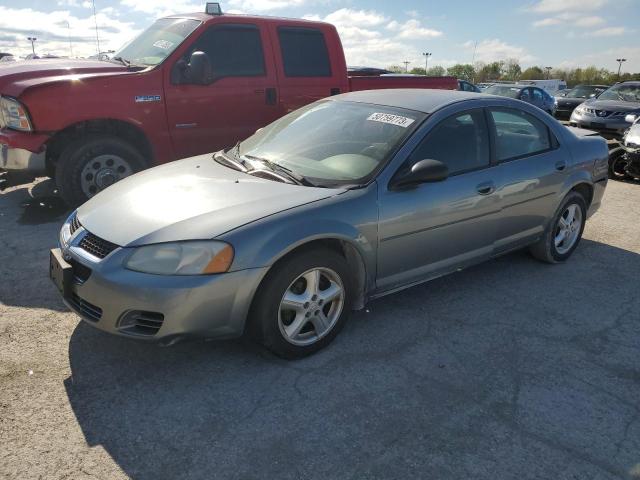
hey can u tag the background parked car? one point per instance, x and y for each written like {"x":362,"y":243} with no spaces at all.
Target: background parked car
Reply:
{"x":606,"y":114}
{"x":467,"y":86}
{"x":533,"y":95}
{"x":550,"y":86}
{"x":567,"y":100}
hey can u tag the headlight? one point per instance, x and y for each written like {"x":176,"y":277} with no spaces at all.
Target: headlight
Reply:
{"x":182,"y":258}
{"x":14,"y":114}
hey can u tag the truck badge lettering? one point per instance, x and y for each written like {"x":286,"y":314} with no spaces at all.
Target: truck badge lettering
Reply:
{"x":147,"y":98}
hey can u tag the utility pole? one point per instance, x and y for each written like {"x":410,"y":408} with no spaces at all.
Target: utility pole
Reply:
{"x":69,"y":36}
{"x":426,"y":61}
{"x":32,"y":40}
{"x":473,"y":59}
{"x":548,"y":69}
{"x":620,"y":60}
{"x":406,"y":66}
{"x":96,"y":22}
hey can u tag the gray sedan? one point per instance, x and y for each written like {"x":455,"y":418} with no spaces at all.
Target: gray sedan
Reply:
{"x":340,"y":202}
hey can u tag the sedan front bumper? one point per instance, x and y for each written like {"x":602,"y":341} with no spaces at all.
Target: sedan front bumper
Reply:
{"x":158,"y":307}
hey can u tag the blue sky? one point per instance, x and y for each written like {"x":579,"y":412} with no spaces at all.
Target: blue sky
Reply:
{"x":559,"y":33}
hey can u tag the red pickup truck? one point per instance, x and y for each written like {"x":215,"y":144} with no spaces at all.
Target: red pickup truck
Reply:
{"x":188,"y":85}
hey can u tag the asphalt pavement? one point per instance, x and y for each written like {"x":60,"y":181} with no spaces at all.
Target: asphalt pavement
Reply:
{"x":511,"y":369}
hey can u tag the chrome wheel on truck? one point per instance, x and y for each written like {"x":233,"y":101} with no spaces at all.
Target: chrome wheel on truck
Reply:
{"x":102,"y":172}
{"x":92,"y":163}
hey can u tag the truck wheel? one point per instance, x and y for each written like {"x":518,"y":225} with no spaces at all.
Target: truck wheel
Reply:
{"x":302,"y":304}
{"x":91,"y":164}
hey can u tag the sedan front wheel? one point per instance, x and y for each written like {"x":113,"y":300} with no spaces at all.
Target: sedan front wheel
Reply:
{"x":303,"y":303}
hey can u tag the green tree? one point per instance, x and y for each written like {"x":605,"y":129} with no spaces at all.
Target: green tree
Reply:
{"x":532,"y":73}
{"x":436,"y":71}
{"x":417,"y":71}
{"x":396,"y":69}
{"x":511,"y":69}
{"x":462,"y":71}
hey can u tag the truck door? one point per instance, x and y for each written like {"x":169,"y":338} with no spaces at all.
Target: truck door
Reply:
{"x":241,"y":96}
{"x":306,"y":70}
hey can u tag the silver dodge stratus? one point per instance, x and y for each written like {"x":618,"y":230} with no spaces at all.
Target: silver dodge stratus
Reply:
{"x":335,"y":204}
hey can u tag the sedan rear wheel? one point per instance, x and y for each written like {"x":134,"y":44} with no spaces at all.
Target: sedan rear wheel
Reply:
{"x":303,"y":303}
{"x":564,"y":231}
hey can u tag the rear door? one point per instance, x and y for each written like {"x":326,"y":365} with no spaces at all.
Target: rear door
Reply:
{"x":241,"y":97}
{"x":309,"y":62}
{"x":532,"y":171}
{"x":538,"y":97}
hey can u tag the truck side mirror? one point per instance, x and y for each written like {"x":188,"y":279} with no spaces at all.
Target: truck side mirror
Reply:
{"x":199,"y":70}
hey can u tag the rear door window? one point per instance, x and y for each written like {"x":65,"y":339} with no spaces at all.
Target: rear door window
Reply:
{"x":304,"y":52}
{"x":518,"y":134}
{"x":234,"y":50}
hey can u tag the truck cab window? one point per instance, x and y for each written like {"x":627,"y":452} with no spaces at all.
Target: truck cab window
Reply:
{"x":233,"y":50}
{"x":304,"y":52}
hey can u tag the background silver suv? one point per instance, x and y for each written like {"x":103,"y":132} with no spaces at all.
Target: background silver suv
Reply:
{"x":606,"y":113}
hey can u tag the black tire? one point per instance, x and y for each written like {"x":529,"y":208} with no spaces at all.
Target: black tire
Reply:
{"x":615,"y":160}
{"x":545,"y":249}
{"x":77,"y":155}
{"x":264,"y":317}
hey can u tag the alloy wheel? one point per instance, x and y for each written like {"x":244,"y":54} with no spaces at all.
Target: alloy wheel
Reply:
{"x":568,"y":228}
{"x":311,"y":306}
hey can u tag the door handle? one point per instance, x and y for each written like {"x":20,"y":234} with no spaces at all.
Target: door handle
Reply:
{"x":271,"y":96}
{"x":486,"y":188}
{"x":561,"y":165}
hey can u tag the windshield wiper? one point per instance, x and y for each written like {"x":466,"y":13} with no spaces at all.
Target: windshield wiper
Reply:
{"x":228,"y":161}
{"x":276,"y":167}
{"x":123,"y":61}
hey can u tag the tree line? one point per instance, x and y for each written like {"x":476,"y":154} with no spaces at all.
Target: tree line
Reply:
{"x":510,"y":70}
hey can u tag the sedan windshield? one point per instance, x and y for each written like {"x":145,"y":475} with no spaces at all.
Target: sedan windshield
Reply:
{"x":157,"y":42}
{"x":503,"y":91}
{"x":625,"y":93}
{"x":584,"y":91}
{"x":332,"y":142}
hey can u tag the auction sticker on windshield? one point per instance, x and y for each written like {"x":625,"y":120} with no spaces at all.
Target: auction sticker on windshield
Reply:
{"x":398,"y":120}
{"x":163,"y":44}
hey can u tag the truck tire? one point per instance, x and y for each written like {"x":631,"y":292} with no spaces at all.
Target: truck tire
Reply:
{"x":91,"y":164}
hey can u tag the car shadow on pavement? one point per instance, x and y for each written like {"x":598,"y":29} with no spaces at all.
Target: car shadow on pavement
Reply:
{"x":30,"y":219}
{"x":512,"y":366}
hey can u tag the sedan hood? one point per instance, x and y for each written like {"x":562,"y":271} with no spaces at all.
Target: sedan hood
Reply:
{"x":191,"y":199}
{"x":612,"y":105}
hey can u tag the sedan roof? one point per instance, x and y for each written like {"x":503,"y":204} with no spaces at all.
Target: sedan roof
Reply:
{"x":418,"y":99}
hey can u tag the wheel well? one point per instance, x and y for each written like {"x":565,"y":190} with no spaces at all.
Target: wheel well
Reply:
{"x":352,"y":256}
{"x":118,"y":128}
{"x":586,"y":191}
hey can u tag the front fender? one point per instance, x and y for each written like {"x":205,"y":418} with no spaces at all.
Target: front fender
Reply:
{"x":351,"y":217}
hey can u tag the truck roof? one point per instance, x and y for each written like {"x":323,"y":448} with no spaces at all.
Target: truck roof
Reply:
{"x":205,"y":17}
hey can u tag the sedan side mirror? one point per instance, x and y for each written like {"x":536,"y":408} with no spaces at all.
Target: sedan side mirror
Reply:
{"x":423,"y":171}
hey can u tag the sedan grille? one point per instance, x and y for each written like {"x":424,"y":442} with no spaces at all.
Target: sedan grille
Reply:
{"x":96,"y":246}
{"x":85,"y":309}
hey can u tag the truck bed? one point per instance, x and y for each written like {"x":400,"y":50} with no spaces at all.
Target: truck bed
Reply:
{"x":376,"y":83}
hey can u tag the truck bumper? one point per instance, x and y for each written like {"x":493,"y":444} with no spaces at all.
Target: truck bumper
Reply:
{"x":22,"y":151}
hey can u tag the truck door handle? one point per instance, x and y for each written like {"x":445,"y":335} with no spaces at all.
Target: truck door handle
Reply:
{"x":271,"y":96}
{"x":561,"y":165}
{"x":486,"y":188}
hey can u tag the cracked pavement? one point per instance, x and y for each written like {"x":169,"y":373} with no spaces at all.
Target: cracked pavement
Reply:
{"x":511,"y":369}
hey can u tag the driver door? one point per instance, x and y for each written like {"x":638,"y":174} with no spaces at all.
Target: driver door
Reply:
{"x":435,"y":228}
{"x":242,"y":96}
